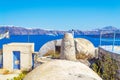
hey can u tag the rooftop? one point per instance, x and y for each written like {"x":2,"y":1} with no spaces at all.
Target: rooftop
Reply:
{"x":19,"y":43}
{"x":114,"y":49}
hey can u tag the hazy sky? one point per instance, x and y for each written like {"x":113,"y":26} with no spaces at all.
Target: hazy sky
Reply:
{"x":60,"y":14}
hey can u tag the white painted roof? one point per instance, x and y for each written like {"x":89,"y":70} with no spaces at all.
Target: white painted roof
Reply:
{"x":115,"y":49}
{"x":18,"y":43}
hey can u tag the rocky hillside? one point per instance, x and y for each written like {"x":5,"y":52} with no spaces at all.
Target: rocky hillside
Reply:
{"x":110,"y":28}
{"x":24,"y":31}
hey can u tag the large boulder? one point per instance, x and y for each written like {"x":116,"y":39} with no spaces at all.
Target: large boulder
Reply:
{"x":84,"y":48}
{"x":49,"y":47}
{"x":62,"y":70}
{"x":68,"y":47}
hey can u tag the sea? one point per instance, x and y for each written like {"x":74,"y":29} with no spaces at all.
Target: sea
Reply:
{"x":40,"y":40}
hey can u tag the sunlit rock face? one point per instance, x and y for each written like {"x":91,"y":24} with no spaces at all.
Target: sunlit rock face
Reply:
{"x":62,"y":70}
{"x":84,"y":49}
{"x":49,"y":46}
{"x":68,"y":47}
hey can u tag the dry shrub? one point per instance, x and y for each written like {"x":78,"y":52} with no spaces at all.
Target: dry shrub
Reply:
{"x":49,"y":53}
{"x":4,"y":71}
{"x":1,"y":51}
{"x":53,"y":54}
{"x":83,"y":56}
{"x":56,"y":55}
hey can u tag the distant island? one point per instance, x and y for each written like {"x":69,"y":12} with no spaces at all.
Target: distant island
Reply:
{"x":26,"y":31}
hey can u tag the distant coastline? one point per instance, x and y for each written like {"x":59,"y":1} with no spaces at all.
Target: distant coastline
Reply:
{"x":25,"y":31}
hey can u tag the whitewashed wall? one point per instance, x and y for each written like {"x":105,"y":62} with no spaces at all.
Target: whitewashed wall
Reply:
{"x":26,"y":50}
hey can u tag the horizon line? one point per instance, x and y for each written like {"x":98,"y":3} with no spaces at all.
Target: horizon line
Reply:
{"x":53,"y":29}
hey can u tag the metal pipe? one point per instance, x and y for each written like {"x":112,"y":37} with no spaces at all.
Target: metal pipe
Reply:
{"x":100,"y":38}
{"x":113,"y":42}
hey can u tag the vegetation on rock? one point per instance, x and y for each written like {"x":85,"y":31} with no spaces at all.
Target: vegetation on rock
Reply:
{"x":20,"y":76}
{"x":106,"y":67}
{"x":83,"y":56}
{"x":53,"y":54}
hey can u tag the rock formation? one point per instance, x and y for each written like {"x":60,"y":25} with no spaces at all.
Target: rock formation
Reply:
{"x":62,"y":70}
{"x":71,"y":49}
{"x":68,"y":47}
{"x":49,"y":46}
{"x":84,"y":49}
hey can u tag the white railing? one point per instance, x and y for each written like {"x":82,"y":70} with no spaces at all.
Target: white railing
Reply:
{"x":114,"y":40}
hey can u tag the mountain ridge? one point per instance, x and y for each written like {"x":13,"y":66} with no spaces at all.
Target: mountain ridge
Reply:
{"x":37,"y":31}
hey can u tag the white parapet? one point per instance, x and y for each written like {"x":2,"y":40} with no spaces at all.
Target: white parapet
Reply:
{"x":110,"y":48}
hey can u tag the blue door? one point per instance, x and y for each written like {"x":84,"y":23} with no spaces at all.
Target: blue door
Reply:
{"x":16,"y":59}
{"x":33,"y":60}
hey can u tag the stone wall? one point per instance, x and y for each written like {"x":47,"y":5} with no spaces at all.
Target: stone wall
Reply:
{"x":113,"y":55}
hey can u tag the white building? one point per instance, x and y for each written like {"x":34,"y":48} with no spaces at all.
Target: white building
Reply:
{"x":18,"y":56}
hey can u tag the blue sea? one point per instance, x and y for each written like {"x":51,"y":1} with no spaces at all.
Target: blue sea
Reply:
{"x":40,"y":40}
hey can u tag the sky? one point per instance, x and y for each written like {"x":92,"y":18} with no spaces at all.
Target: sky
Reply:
{"x":60,"y":14}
